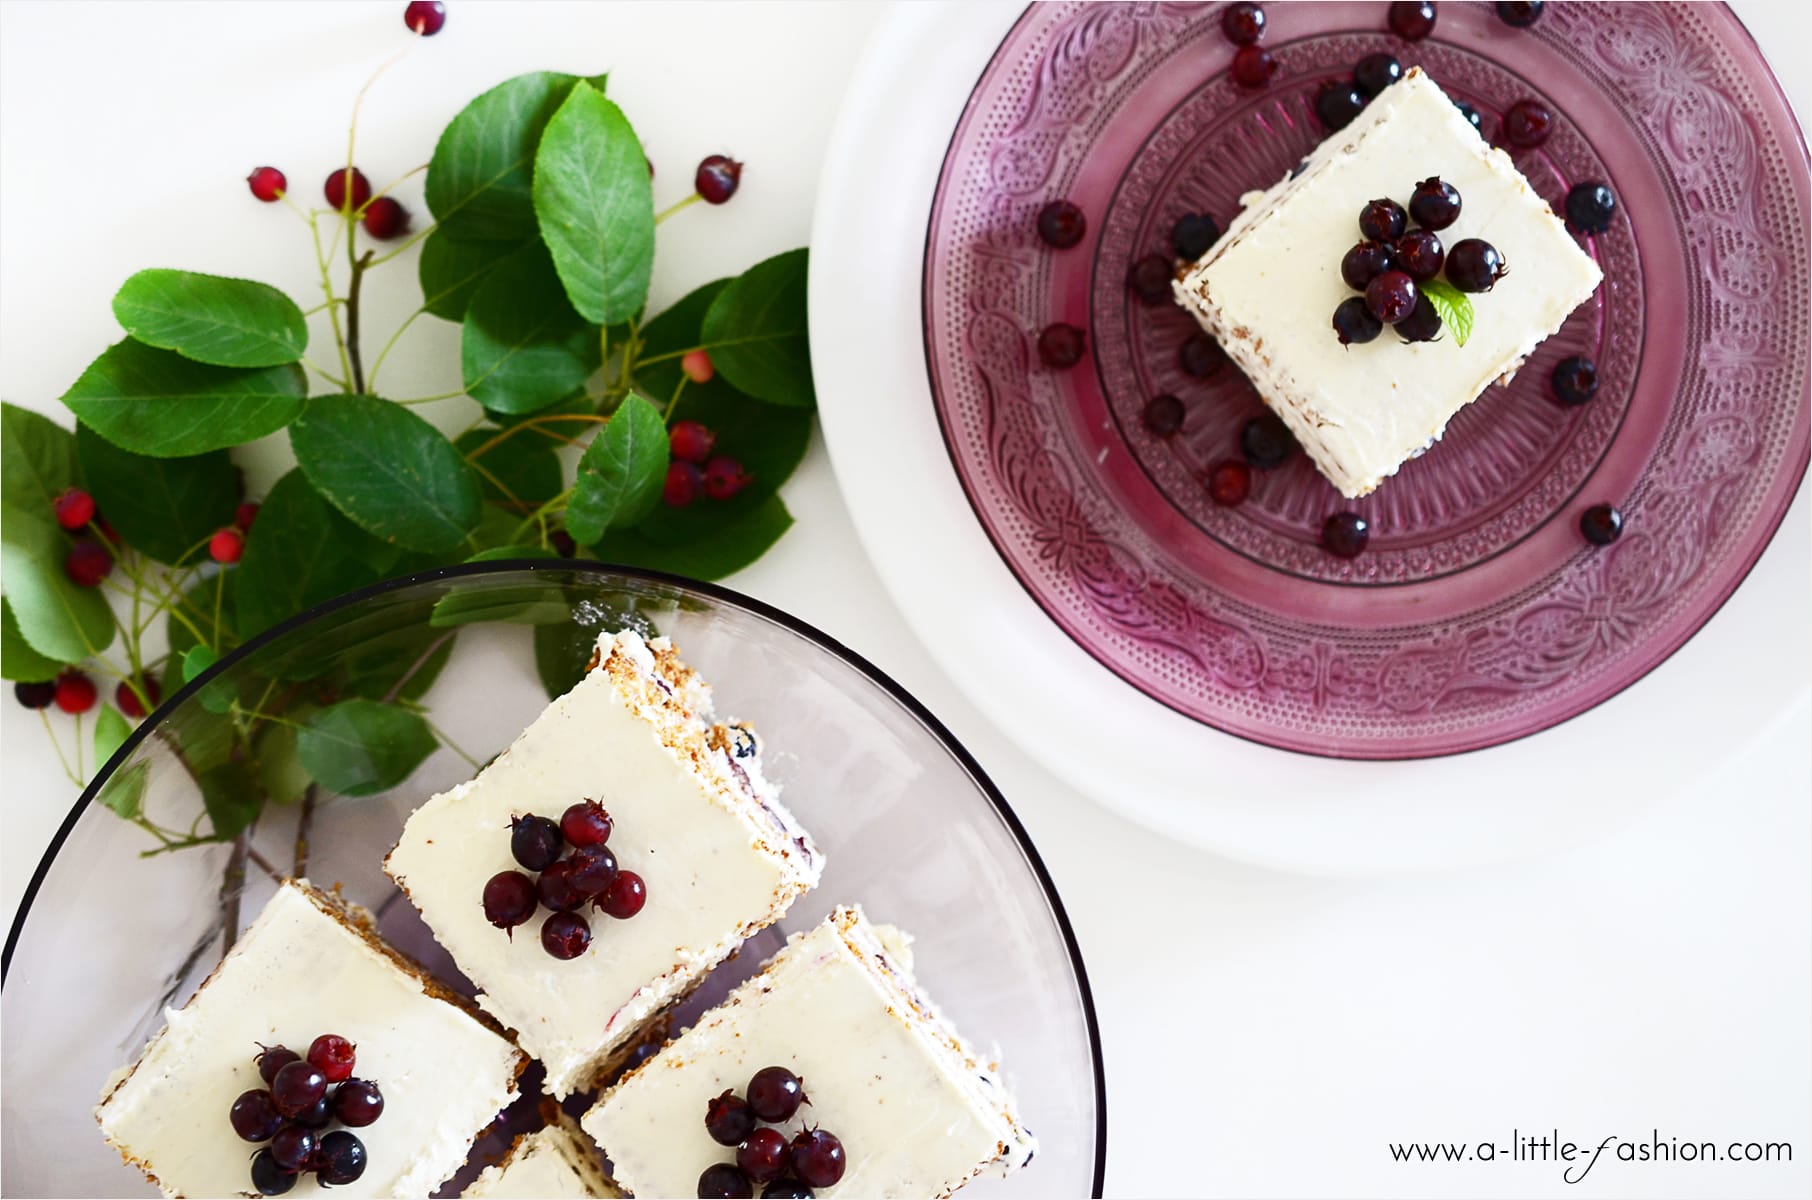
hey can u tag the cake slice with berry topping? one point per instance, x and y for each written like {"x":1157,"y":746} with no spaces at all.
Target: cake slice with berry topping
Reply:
{"x":314,"y":1056}
{"x":555,"y":1162}
{"x":597,"y":869}
{"x":1441,"y":267}
{"x":830,"y":1073}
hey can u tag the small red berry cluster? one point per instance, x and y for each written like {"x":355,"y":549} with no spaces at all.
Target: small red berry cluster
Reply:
{"x":812,"y":1159}
{"x":302,"y":1097}
{"x":694,"y":469}
{"x":347,"y":191}
{"x":1244,"y":26}
{"x":588,"y":875}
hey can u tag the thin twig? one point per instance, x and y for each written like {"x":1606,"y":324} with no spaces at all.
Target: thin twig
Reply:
{"x":352,"y":321}
{"x":264,"y":863}
{"x":231,"y":885}
{"x":304,"y":823}
{"x":396,"y":689}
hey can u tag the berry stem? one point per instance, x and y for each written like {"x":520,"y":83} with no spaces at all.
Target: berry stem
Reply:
{"x":264,"y":864}
{"x":394,"y":338}
{"x":673,"y":401}
{"x":677,"y":206}
{"x":333,"y":310}
{"x":413,"y":238}
{"x":432,"y":399}
{"x":56,"y":745}
{"x":305,"y":820}
{"x":538,"y":517}
{"x":441,"y":735}
{"x":219,"y":597}
{"x":232,"y":882}
{"x":321,"y":307}
{"x":535,"y":423}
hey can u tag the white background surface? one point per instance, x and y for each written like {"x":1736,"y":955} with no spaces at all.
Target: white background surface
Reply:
{"x":1265,"y":1034}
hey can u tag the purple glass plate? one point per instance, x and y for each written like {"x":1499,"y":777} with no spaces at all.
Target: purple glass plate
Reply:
{"x":1478,"y":614}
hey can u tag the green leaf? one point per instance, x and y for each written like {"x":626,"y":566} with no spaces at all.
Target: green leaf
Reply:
{"x":305,"y":552}
{"x":522,"y":469}
{"x":55,"y":617}
{"x":1453,"y":306}
{"x":728,"y":548}
{"x":231,"y":795}
{"x":165,"y":507}
{"x":451,"y":271}
{"x":621,"y":472}
{"x":197,"y":659}
{"x":212,"y":319}
{"x":37,"y":459}
{"x":756,"y":334}
{"x":405,"y":662}
{"x":111,"y":729}
{"x":18,"y":661}
{"x":155,"y":402}
{"x":522,"y":347}
{"x":361,"y":747}
{"x":124,"y":791}
{"x":279,"y":769}
{"x":595,"y":206}
{"x":387,"y":469}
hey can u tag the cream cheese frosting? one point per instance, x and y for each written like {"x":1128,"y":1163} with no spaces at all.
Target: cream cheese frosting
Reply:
{"x":556,"y":1162}
{"x":299,"y":971}
{"x":1268,"y":289}
{"x":918,"y":1111}
{"x":693,"y":815}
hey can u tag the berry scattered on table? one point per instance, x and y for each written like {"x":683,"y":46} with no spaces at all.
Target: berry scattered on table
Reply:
{"x":1193,"y":234}
{"x":1061,"y":345}
{"x":1527,"y":124}
{"x":1590,"y":207}
{"x":717,"y":178}
{"x":1253,"y":66}
{"x":425,"y":17}
{"x":1338,"y":101}
{"x":1575,"y":380}
{"x":1344,"y":534}
{"x":1200,"y":356}
{"x":1163,"y":415}
{"x":1375,"y":72}
{"x":1229,"y":483}
{"x":75,"y":692}
{"x":1150,"y":278}
{"x":1519,"y":14}
{"x":1061,"y":224}
{"x":1354,"y":323}
{"x":1266,"y":441}
{"x":339,"y":196}
{"x":1601,"y":524}
{"x":1412,"y":20}
{"x":267,"y":184}
{"x":1474,"y":265}
{"x":1243,"y":24}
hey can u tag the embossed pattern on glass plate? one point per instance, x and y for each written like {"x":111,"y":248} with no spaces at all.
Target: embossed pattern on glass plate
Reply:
{"x":1478,"y":614}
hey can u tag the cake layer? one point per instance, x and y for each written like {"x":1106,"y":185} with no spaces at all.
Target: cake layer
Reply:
{"x":307,"y":967}
{"x":1268,"y":289}
{"x":693,"y":816}
{"x":918,"y":1111}
{"x":556,"y":1162}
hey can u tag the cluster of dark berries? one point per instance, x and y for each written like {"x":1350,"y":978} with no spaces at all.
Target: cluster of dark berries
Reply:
{"x":694,"y":470}
{"x":348,"y":192}
{"x":588,"y":875}
{"x":1391,"y":262}
{"x":1190,"y":237}
{"x":303,"y":1096}
{"x":812,"y":1159}
{"x":1244,"y":26}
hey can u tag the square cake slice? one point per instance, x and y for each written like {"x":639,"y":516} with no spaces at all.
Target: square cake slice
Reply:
{"x":918,"y":1111}
{"x":556,"y":1162}
{"x":309,"y":965}
{"x":1268,"y":288}
{"x":691,"y":814}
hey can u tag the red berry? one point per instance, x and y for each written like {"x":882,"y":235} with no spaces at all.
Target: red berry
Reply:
{"x":818,"y":1158}
{"x":697,"y":366}
{"x":1412,"y":20}
{"x":1150,"y":277}
{"x":1230,"y":482}
{"x":717,"y":179}
{"x":684,"y":481}
{"x":333,"y":1056}
{"x":335,"y":188}
{"x":1527,"y":124}
{"x":244,"y":515}
{"x":1163,"y":415}
{"x":585,"y":824}
{"x":425,"y":16}
{"x":1061,"y":345}
{"x":1345,"y":534}
{"x":762,"y":1155}
{"x":565,"y":935}
{"x":267,"y":183}
{"x":87,"y":563}
{"x":226,"y":546}
{"x":35,"y":695}
{"x":509,"y":899}
{"x":128,"y":700}
{"x":1243,"y":23}
{"x":74,"y":508}
{"x":690,"y":441}
{"x":1061,"y":224}
{"x":724,"y":477}
{"x":385,"y":218}
{"x":1253,"y":66}
{"x":75,"y":692}
{"x":625,"y":896}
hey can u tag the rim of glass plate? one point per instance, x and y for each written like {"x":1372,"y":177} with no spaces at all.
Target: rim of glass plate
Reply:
{"x":713,"y":591}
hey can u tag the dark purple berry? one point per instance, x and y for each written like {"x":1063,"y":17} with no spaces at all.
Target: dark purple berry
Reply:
{"x":1471,"y":114}
{"x":1266,"y":441}
{"x":775,"y":1094}
{"x":1253,"y":66}
{"x":762,"y":1155}
{"x":1163,"y":415}
{"x":1435,"y":204}
{"x":557,"y":889}
{"x":271,"y":1059}
{"x":1354,"y":323}
{"x":1590,"y":207}
{"x":722,"y":1181}
{"x":534,"y":841}
{"x":269,"y":1178}
{"x":1376,"y":72}
{"x":1412,"y":20}
{"x":341,"y":1159}
{"x":1149,"y":279}
{"x":358,"y":1103}
{"x":292,"y":1146}
{"x":818,"y":1158}
{"x":425,"y":17}
{"x":509,"y":899}
{"x":1061,"y":346}
{"x":1391,"y":297}
{"x":254,"y":1115}
{"x":729,"y":1119}
{"x":386,"y":218}
{"x":1061,"y":224}
{"x":1364,"y":263}
{"x":1519,"y":14}
{"x":624,"y":897}
{"x":1474,"y":265}
{"x":1382,"y":221}
{"x":1345,"y":534}
{"x":297,"y":1086}
{"x":585,"y":824}
{"x":717,"y":178}
{"x":592,"y":868}
{"x":1193,"y":233}
{"x":1526,"y":124}
{"x":1243,"y":24}
{"x":1338,"y":101}
{"x":1575,"y":380}
{"x":1602,"y":524}
{"x":725,"y":477}
{"x":565,"y":935}
{"x":317,"y":1115}
{"x":35,"y":695}
{"x":683,"y":484}
{"x":1419,"y":254}
{"x":562,"y":543}
{"x":333,"y":1056}
{"x":1200,"y":356}
{"x":786,"y":1189}
{"x":1423,"y":324}
{"x":1229,"y":483}
{"x":87,"y":563}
